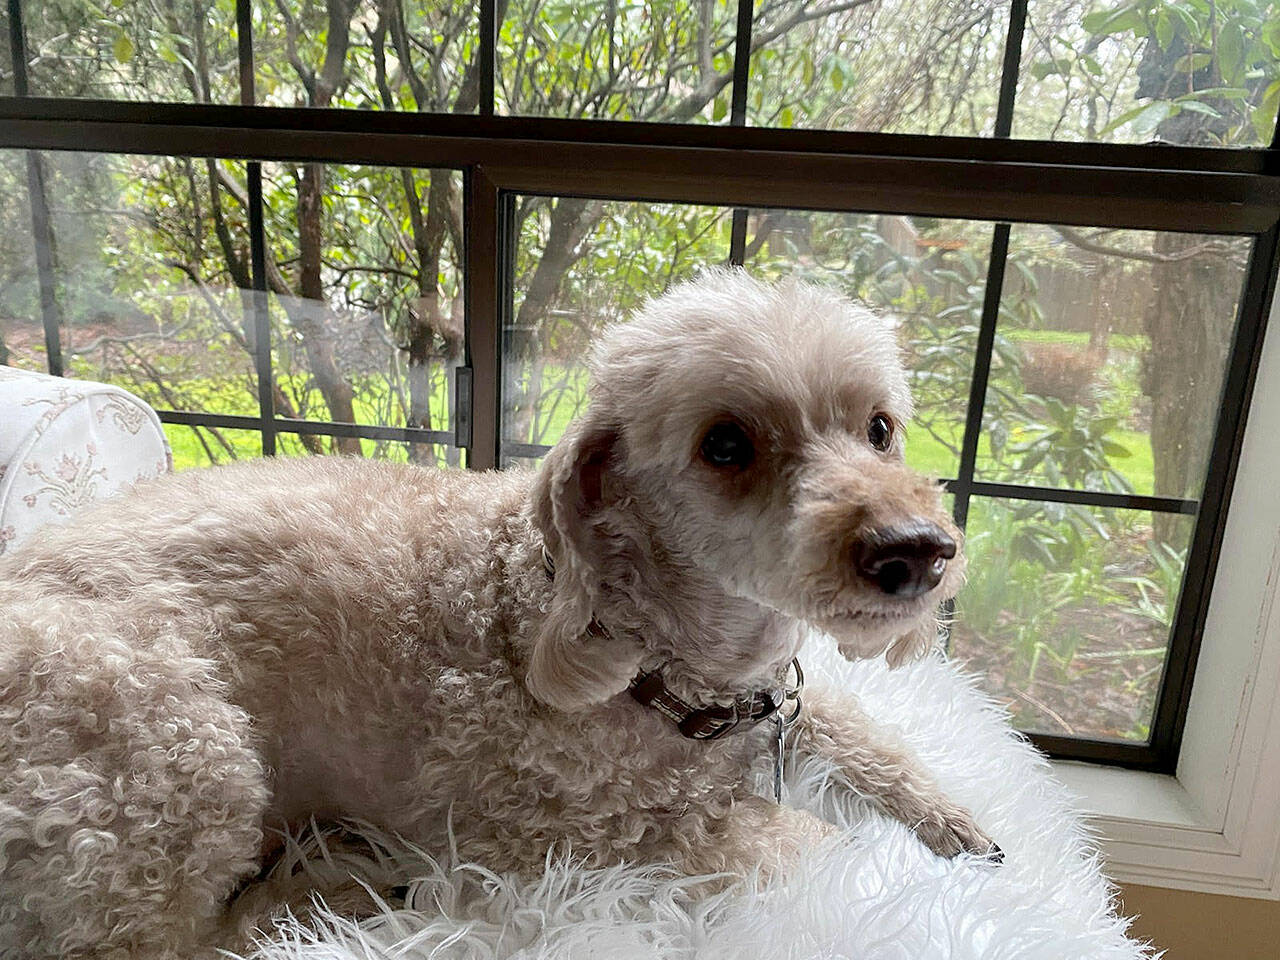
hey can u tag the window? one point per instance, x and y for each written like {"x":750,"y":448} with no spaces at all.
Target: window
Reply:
{"x":391,"y":229}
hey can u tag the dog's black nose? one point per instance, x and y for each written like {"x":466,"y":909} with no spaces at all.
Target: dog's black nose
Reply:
{"x":907,"y":560}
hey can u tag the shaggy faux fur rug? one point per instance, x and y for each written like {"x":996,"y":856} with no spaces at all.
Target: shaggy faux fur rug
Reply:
{"x":876,"y":895}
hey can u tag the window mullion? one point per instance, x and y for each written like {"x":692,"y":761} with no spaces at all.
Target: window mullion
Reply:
{"x":18,"y":49}
{"x":261,"y":314}
{"x":741,"y":63}
{"x":1009,"y":70}
{"x":963,"y":485}
{"x":738,"y":116}
{"x":487,"y":263}
{"x":257,"y":242}
{"x":488,"y":55}
{"x":738,"y":237}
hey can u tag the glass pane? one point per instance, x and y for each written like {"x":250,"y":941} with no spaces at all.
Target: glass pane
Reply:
{"x":660,"y":60}
{"x":1066,"y":612}
{"x":151,"y":267}
{"x":1132,"y":71}
{"x":1111,"y":349}
{"x":133,"y":50}
{"x":21,"y":329}
{"x":368,"y":54}
{"x":367,"y":306}
{"x":930,"y":274}
{"x":208,"y":446}
{"x":580,"y":265}
{"x":895,"y":66}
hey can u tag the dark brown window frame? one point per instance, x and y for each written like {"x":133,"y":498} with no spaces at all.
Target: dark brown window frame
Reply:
{"x":997,"y":179}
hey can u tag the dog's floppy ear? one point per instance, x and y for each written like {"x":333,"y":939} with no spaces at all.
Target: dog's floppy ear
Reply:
{"x":571,"y":667}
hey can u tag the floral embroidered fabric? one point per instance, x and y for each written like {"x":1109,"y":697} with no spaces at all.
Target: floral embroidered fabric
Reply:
{"x":66,"y":443}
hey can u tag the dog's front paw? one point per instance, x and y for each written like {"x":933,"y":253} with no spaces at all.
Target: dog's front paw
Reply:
{"x":949,"y":830}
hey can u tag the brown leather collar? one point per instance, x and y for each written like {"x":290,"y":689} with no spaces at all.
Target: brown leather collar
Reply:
{"x":702,"y":723}
{"x":715,"y":721}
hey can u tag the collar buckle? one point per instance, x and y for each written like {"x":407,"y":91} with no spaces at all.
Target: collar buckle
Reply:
{"x":710,"y":723}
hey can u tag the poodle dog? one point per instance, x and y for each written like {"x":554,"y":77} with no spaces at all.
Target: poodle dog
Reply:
{"x":503,"y":661}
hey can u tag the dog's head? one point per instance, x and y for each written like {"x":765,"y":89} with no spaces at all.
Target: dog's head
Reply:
{"x":752,"y":435}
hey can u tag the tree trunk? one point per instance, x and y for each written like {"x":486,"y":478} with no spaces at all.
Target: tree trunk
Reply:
{"x":1190,"y":320}
{"x":572,"y":220}
{"x":308,"y":314}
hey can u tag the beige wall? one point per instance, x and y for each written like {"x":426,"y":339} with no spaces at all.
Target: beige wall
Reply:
{"x":1201,"y":926}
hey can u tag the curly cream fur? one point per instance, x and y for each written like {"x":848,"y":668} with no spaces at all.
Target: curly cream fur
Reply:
{"x":228,"y":651}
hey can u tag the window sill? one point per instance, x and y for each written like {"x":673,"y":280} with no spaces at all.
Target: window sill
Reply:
{"x":1151,"y":832}
{"x":1111,"y":795}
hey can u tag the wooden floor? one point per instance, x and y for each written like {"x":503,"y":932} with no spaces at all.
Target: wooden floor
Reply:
{"x":1199,"y":926}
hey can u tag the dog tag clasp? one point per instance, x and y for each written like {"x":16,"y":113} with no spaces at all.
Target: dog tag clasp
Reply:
{"x":781,"y":740}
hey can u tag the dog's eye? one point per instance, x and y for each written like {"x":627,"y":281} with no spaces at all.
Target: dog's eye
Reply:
{"x":727,"y":445}
{"x":880,"y":431}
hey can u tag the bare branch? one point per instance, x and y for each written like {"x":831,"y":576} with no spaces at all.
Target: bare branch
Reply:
{"x":1212,"y":247}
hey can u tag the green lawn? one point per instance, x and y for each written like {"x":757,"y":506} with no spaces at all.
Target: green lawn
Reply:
{"x":1131,"y":343}
{"x":231,"y":397}
{"x":930,"y":455}
{"x":924,"y":452}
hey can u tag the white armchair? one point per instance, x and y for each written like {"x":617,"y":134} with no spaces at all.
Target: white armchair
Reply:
{"x":67,"y":443}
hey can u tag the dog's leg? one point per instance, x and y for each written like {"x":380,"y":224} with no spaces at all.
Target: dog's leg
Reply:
{"x":323,"y":872}
{"x":131,"y":796}
{"x":255,"y":913}
{"x":836,"y":729}
{"x":757,"y":834}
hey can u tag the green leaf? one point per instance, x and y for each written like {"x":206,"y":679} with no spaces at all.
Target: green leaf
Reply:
{"x":1231,"y":53}
{"x":1264,"y":115}
{"x":1164,"y":29}
{"x":1045,"y":68}
{"x":1192,"y":62}
{"x":786,"y":118}
{"x":122,"y":48}
{"x":1225,"y":93}
{"x":1144,"y":118}
{"x":1195,"y":106}
{"x":1032,"y":548}
{"x":1123,"y":19}
{"x":1271,"y":37}
{"x":719,"y":109}
{"x":1113,"y":449}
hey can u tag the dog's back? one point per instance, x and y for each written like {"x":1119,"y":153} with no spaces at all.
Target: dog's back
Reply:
{"x":155,"y":657}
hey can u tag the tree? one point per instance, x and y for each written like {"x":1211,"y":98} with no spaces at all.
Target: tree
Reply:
{"x":364,"y":263}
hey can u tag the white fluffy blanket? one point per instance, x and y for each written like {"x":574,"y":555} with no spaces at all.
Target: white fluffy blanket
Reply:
{"x":876,"y":895}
